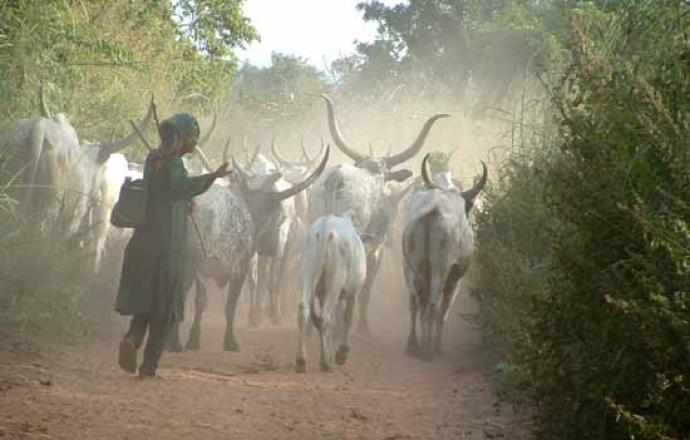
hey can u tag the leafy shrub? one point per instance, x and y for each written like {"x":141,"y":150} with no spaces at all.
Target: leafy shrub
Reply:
{"x":585,"y":247}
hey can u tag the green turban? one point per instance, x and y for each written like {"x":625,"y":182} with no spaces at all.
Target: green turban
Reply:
{"x":177,"y":126}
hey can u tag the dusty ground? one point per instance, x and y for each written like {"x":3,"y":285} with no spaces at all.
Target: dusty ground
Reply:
{"x":79,"y":393}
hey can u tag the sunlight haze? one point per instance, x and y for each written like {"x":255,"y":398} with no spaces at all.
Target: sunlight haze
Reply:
{"x":289,"y":27}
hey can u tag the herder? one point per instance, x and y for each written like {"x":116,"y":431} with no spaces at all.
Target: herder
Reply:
{"x":153,"y":267}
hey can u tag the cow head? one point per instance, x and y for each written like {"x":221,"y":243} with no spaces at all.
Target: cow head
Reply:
{"x":468,"y":196}
{"x":379,"y":165}
{"x":264,"y":199}
{"x":295,"y":170}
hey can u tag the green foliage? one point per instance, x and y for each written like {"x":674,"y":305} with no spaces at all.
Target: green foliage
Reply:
{"x":43,"y":287}
{"x":458,"y":47}
{"x":280,"y":92}
{"x":215,"y":26}
{"x":101,"y":60}
{"x":585,"y":245}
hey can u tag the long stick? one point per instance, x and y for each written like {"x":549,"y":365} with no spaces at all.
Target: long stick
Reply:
{"x":198,"y":232}
{"x":141,"y":136}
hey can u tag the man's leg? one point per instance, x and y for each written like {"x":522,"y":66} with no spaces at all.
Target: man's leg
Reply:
{"x":158,"y":330}
{"x":127,"y":354}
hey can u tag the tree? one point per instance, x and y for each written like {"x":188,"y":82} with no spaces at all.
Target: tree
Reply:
{"x":100,"y":60}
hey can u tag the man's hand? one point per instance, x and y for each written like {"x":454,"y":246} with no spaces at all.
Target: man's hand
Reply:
{"x":191,"y":207}
{"x":222,"y":170}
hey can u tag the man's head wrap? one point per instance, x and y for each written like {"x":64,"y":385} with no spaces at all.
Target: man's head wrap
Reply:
{"x":174,"y":128}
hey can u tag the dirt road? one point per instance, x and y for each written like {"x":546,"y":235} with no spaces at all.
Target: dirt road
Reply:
{"x":79,"y":393}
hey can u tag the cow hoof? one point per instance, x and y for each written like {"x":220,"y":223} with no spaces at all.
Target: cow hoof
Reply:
{"x":301,"y":366}
{"x":193,"y":344}
{"x":231,"y":346}
{"x":326,"y":368}
{"x":341,"y":354}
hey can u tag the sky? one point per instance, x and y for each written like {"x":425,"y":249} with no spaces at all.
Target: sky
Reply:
{"x":318,"y":30}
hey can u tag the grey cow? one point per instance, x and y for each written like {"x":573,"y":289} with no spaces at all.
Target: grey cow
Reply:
{"x":234,"y":220}
{"x":437,"y":245}
{"x":359,"y":191}
{"x":63,"y":184}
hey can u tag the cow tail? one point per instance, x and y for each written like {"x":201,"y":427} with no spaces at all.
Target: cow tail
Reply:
{"x":36,"y":140}
{"x":326,"y":247}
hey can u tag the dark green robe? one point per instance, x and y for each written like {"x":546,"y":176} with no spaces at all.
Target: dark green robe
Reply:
{"x":155,"y":258}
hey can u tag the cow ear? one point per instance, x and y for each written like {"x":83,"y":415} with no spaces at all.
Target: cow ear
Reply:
{"x":399,"y":175}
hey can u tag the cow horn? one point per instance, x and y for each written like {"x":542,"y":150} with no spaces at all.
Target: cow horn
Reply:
{"x":471,"y":193}
{"x":282,"y":195}
{"x":425,"y":173}
{"x":417,"y":144}
{"x":204,"y":139}
{"x":309,"y":161}
{"x":335,"y":132}
{"x":226,"y":149}
{"x":274,"y":150}
{"x":204,"y":159}
{"x":45,"y":111}
{"x":254,"y":156}
{"x":244,"y":175}
{"x":113,"y":146}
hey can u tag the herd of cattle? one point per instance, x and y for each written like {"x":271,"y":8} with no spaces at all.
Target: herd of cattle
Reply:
{"x":270,"y":221}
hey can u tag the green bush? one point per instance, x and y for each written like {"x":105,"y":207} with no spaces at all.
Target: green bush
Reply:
{"x":585,"y":245}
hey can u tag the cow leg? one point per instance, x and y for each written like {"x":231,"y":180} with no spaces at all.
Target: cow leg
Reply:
{"x":277,"y":285}
{"x":344,"y":349}
{"x":254,"y":294}
{"x":234,"y":290}
{"x":303,"y":325}
{"x":200,"y":302}
{"x":327,"y":315}
{"x":413,"y":349}
{"x":373,"y":263}
{"x":173,"y":343}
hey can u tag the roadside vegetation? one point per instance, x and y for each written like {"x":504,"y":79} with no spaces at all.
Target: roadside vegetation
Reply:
{"x":581,"y":109}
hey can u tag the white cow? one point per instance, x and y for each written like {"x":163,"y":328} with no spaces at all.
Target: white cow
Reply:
{"x":66,"y":186}
{"x":332,"y":271}
{"x":437,"y":244}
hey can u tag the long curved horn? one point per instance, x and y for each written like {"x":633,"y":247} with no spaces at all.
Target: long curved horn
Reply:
{"x":335,"y":132}
{"x":244,"y":175}
{"x":425,"y":173}
{"x":417,"y":144}
{"x":309,"y":161}
{"x":274,"y":150}
{"x":45,"y":111}
{"x":113,"y":146}
{"x":245,"y":152}
{"x":225,"y":150}
{"x":473,"y":192}
{"x":282,"y":195}
{"x":204,"y":159}
{"x":255,"y":155}
{"x":204,"y":139}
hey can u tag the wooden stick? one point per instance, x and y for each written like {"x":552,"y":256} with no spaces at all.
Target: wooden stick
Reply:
{"x":198,"y":232}
{"x":141,"y":136}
